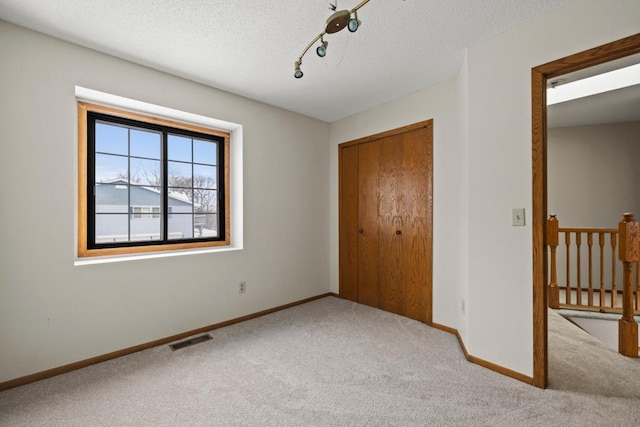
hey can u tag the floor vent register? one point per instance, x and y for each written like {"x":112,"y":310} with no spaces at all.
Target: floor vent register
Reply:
{"x":190,"y":342}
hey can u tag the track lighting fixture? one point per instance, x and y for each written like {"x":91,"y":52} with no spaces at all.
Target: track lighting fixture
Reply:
{"x":336,"y":22}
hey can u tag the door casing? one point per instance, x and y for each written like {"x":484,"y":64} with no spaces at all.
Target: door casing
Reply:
{"x":539,"y":76}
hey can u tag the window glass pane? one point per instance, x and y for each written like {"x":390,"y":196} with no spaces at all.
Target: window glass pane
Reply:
{"x":111,"y":198}
{"x":205,"y":201}
{"x":204,"y":176}
{"x":144,"y":196}
{"x":205,"y":225}
{"x":180,"y":226}
{"x":145,"y":144}
{"x":179,"y":148}
{"x":204,"y":152}
{"x":112,"y":139}
{"x":181,"y":200}
{"x":145,"y":228}
{"x":112,"y":228}
{"x":110,"y":168}
{"x":146,"y":172}
{"x":180,"y":175}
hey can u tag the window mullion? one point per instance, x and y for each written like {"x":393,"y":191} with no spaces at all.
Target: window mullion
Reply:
{"x":165,"y":186}
{"x":129,"y":218}
{"x":91,"y":184}
{"x":193,"y":195}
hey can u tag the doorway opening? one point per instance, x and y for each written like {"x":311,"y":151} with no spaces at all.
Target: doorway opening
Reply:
{"x":540,"y":76}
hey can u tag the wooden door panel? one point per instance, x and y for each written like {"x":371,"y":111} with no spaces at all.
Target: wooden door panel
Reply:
{"x":417,"y":299}
{"x":417,"y":232}
{"x":348,"y":246}
{"x":391,"y":222}
{"x":368,"y":233}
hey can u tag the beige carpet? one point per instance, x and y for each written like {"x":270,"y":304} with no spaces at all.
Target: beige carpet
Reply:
{"x":329,"y":363}
{"x":581,"y":363}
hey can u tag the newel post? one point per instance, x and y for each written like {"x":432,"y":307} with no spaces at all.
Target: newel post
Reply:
{"x":628,"y":254}
{"x":552,"y":241}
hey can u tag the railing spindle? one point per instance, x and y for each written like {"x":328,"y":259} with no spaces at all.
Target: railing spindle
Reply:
{"x":567,"y":242}
{"x":589,"y":245}
{"x":614,"y":291}
{"x":552,"y":241}
{"x":578,"y":268}
{"x":628,"y":254}
{"x":603,"y":293}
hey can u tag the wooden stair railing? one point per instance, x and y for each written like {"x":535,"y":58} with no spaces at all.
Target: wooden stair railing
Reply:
{"x":629,"y":250}
{"x":608,"y":286}
{"x":596,"y":241}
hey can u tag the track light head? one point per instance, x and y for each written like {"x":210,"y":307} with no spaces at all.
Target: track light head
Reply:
{"x":298,"y":72}
{"x":322,"y":49}
{"x":354,"y":23}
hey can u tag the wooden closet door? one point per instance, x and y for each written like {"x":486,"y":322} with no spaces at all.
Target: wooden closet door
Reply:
{"x":348,"y":224}
{"x":405,"y":232}
{"x":391,"y":269}
{"x":386,"y":234}
{"x":368,"y":233}
{"x":415,"y":210}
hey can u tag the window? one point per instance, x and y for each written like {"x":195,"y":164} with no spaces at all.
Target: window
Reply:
{"x":146,"y":212}
{"x":149,"y":184}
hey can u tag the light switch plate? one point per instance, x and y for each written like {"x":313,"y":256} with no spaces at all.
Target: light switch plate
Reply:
{"x":517,"y":217}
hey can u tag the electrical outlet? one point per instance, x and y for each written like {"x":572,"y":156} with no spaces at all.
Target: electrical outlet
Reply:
{"x":242,"y":288}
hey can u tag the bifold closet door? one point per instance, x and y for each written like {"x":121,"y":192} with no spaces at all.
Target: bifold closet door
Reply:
{"x":405,"y":281}
{"x":369,"y":261}
{"x":348,"y":223}
{"x":385,"y":222}
{"x":359,"y":222}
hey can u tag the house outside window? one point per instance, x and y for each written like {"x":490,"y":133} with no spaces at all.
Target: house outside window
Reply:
{"x":148,"y":184}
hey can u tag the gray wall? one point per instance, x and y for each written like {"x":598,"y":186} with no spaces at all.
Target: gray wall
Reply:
{"x":593,"y":173}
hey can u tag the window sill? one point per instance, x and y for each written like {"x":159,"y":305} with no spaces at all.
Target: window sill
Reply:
{"x":166,"y":254}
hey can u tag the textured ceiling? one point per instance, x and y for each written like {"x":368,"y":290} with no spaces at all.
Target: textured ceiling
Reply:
{"x":249,"y":47}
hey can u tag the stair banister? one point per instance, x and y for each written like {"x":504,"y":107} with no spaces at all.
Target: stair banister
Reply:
{"x":552,"y":241}
{"x":629,"y":248}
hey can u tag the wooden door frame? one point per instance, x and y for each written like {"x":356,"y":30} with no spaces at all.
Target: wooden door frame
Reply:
{"x":375,"y":137}
{"x":539,"y":76}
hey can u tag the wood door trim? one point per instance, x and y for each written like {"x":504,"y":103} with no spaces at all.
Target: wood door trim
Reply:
{"x":539,"y":76}
{"x":398,"y":131}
